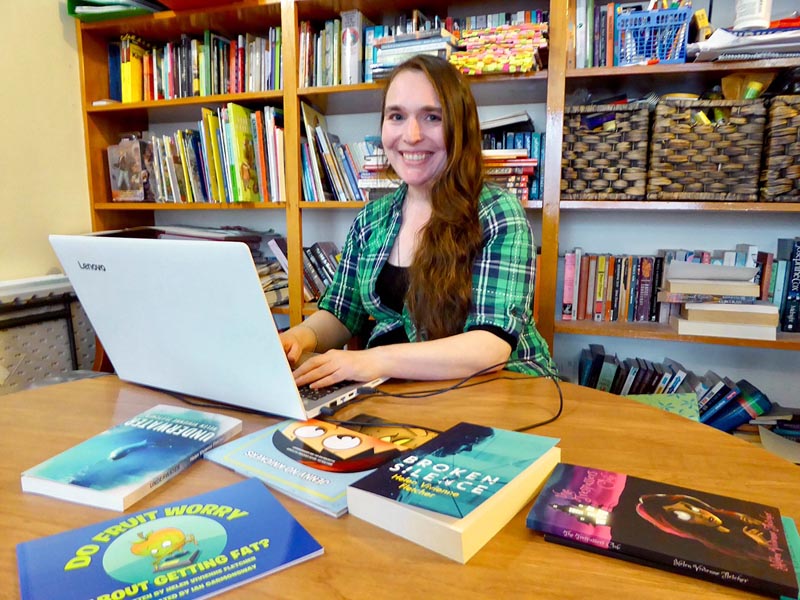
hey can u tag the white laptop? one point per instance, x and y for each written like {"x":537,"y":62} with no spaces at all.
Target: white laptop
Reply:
{"x":188,"y":317}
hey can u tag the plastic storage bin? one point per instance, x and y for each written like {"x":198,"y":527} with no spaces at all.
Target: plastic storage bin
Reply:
{"x":644,"y":36}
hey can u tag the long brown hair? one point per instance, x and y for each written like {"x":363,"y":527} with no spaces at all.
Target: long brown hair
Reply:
{"x":440,"y":277}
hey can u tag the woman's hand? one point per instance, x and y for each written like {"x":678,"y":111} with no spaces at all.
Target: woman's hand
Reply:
{"x":296,"y":341}
{"x":337,"y":365}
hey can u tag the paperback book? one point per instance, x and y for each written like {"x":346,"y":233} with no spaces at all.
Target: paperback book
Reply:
{"x":192,"y":548}
{"x":121,"y":465}
{"x":311,"y":461}
{"x":455,"y":492}
{"x":733,"y":542}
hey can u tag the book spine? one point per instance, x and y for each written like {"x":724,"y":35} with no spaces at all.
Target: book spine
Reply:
{"x":600,"y":288}
{"x":790,"y":313}
{"x":567,"y":307}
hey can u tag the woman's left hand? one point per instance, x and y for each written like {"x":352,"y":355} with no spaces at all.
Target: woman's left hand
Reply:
{"x":337,"y":365}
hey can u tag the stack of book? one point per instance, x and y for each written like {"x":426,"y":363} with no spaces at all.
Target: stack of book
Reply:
{"x":374,"y":172}
{"x":746,"y":317}
{"x":395,"y":49}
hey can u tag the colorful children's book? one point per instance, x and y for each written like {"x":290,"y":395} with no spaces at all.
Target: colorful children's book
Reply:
{"x":121,"y":465}
{"x":311,"y":461}
{"x":734,"y":542}
{"x":455,"y":492}
{"x":192,"y":548}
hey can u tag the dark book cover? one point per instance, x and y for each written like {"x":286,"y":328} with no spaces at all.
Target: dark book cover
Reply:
{"x":644,"y":288}
{"x":790,"y":305}
{"x":731,"y":541}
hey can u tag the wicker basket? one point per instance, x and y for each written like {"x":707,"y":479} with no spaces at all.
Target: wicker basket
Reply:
{"x":713,"y":162}
{"x":780,"y":177}
{"x":604,"y":163}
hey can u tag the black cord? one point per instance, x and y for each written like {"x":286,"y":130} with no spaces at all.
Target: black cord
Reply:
{"x":368,"y":392}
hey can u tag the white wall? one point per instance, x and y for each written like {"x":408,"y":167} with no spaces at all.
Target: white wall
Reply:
{"x":43,"y":182}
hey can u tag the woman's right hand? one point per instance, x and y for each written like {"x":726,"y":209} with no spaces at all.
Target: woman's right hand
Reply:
{"x":296,"y":341}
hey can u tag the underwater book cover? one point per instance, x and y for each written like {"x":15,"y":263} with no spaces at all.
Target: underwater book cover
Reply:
{"x":118,"y":466}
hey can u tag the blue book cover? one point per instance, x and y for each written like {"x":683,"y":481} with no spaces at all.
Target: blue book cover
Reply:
{"x":312,"y":461}
{"x":454,"y":493}
{"x":458,"y":470}
{"x":192,"y":548}
{"x":719,"y":538}
{"x":119,"y":466}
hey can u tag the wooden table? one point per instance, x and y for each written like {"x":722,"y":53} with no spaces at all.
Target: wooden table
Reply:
{"x":362,"y":561}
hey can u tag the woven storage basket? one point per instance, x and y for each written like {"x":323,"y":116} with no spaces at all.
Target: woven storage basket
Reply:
{"x":716,"y":162}
{"x":599,"y":164}
{"x":780,"y":177}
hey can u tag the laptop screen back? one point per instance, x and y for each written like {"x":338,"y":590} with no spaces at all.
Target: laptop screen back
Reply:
{"x":184,"y":316}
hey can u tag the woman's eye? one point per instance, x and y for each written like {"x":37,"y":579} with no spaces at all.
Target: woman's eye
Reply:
{"x":394,"y":117}
{"x":433,"y":117}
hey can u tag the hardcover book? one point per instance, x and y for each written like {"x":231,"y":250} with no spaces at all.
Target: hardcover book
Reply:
{"x":455,"y":492}
{"x":192,"y":548}
{"x":718,"y":538}
{"x":311,"y":461}
{"x":121,"y":465}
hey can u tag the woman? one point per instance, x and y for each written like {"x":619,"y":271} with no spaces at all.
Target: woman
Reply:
{"x":445,"y":262}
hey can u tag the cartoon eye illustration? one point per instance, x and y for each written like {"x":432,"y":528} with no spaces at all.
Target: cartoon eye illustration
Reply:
{"x":309,"y":431}
{"x":341,"y":442}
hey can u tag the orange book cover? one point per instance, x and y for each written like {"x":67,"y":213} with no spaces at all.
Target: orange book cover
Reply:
{"x":261,"y":154}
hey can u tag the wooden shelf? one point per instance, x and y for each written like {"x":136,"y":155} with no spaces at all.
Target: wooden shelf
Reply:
{"x":752,"y":207}
{"x":190,"y":206}
{"x":660,"y":331}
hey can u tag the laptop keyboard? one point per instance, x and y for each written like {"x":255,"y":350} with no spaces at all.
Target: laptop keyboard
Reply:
{"x":312,"y":395}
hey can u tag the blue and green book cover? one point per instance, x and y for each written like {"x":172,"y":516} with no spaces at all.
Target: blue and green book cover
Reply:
{"x":192,"y":548}
{"x":121,"y":465}
{"x":455,"y":492}
{"x":458,"y":470}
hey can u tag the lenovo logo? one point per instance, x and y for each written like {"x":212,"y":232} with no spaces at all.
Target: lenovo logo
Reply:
{"x":91,"y":266}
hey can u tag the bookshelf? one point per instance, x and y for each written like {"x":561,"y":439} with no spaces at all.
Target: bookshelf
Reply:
{"x":103,"y":125}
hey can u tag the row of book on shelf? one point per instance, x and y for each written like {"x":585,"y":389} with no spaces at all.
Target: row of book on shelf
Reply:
{"x":740,"y":293}
{"x":235,"y":154}
{"x":606,"y":34}
{"x":712,"y":399}
{"x":140,"y":70}
{"x":450,"y":492}
{"x":512,"y":154}
{"x":351,"y":49}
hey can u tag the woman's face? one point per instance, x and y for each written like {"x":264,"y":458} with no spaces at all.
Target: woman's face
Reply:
{"x":413,"y":133}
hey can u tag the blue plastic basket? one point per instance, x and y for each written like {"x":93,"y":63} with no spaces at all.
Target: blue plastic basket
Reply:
{"x":644,"y":36}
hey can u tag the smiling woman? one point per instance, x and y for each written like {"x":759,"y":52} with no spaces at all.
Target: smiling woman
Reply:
{"x":439,"y":274}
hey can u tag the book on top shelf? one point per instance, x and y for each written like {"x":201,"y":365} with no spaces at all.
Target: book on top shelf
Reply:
{"x":455,"y":492}
{"x":121,"y":465}
{"x":311,"y":461}
{"x":718,"y":538}
{"x":219,"y":540}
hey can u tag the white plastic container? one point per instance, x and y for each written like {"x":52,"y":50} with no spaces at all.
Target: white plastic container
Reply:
{"x":753,"y":14}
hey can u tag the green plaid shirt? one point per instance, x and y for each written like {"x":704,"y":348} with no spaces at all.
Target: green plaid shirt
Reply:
{"x":502,"y":275}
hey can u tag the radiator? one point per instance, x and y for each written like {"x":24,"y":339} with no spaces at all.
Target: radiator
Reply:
{"x":36,"y":341}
